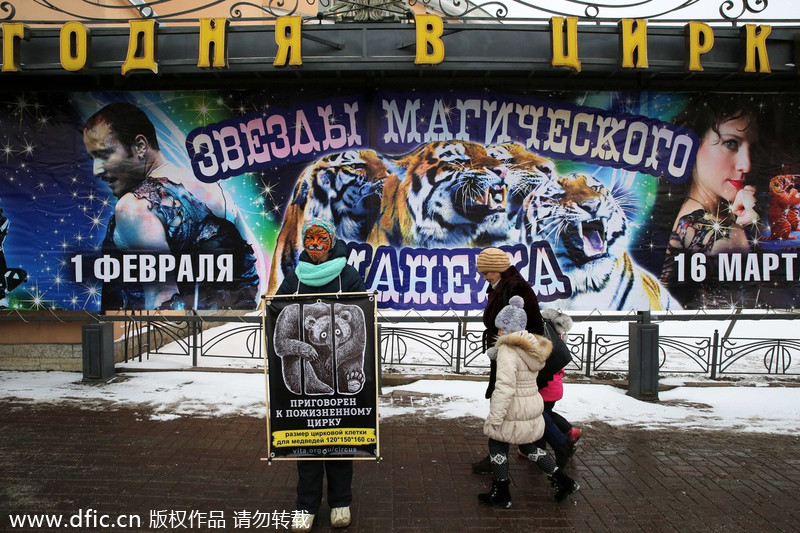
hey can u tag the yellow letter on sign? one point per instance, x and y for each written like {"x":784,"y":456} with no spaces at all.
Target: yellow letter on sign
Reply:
{"x":633,"y":41}
{"x":701,"y":40}
{"x":559,"y":57}
{"x":756,"y":42}
{"x":287,"y":36}
{"x":213,"y":31}
{"x":142,"y":46}
{"x":429,"y":34}
{"x":74,"y":48}
{"x":12,"y":33}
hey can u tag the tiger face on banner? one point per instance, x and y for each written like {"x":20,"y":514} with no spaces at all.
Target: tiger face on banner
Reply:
{"x":524,"y":172}
{"x":447,"y":194}
{"x":586,"y":225}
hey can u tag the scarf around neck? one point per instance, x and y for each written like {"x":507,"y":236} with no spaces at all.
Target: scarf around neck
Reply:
{"x":321,"y":274}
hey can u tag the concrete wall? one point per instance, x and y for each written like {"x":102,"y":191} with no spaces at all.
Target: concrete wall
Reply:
{"x":38,"y":344}
{"x":66,"y":357}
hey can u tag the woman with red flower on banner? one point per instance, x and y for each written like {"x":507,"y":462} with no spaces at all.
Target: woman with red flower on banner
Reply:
{"x":717,"y":204}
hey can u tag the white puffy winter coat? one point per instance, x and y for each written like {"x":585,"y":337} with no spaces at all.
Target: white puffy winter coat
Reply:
{"x":515,"y":412}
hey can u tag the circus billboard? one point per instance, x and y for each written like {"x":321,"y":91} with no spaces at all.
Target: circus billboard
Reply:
{"x":195,"y":199}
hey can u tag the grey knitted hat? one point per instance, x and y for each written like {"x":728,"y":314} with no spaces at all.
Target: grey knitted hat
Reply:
{"x":512,"y":317}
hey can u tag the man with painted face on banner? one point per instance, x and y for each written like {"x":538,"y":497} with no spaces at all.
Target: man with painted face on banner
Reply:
{"x":163,"y":209}
{"x":10,"y":278}
{"x":322,"y":269}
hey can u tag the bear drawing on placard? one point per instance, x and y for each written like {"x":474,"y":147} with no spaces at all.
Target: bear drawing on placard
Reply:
{"x":289,"y":347}
{"x":350,"y":334}
{"x":325,"y":346}
{"x":294,"y":352}
{"x":318,"y":334}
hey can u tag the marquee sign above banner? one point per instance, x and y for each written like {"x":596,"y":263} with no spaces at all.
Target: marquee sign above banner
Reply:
{"x":213,"y":44}
{"x":575,"y":36}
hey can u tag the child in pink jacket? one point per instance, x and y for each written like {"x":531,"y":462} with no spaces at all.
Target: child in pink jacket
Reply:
{"x":554,"y":390}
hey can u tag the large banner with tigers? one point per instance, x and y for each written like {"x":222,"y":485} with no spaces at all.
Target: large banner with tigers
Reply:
{"x":603,"y":200}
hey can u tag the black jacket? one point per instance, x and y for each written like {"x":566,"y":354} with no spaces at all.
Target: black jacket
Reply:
{"x":511,"y":284}
{"x":559,"y":358}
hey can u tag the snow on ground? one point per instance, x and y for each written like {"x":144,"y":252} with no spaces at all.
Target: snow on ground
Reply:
{"x":170,"y":394}
{"x":165,"y":386}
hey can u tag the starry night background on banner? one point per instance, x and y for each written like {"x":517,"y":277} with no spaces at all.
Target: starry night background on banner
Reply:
{"x":777,"y":151}
{"x":56,"y":207}
{"x":50,"y":205}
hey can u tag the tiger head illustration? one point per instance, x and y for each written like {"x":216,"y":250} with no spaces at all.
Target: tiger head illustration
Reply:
{"x":345,"y":188}
{"x":524,"y":171}
{"x":448,"y":193}
{"x":585,"y":224}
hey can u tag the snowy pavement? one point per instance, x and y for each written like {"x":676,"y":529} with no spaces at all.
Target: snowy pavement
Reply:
{"x":754,"y":406}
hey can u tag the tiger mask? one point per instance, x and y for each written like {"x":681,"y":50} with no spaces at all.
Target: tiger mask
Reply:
{"x":524,"y":171}
{"x":450,"y":193}
{"x":586,"y":225}
{"x":344,"y":188}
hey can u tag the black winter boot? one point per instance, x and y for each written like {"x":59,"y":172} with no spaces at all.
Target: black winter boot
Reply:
{"x":499,"y":495}
{"x":564,"y":484}
{"x":484,"y":466}
{"x":563,"y":454}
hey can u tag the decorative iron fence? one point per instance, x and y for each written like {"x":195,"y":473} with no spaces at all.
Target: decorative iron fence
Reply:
{"x":453,"y":343}
{"x":176,"y":11}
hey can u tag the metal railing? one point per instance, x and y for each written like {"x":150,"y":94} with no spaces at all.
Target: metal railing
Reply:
{"x":174,"y":11}
{"x":453,"y":343}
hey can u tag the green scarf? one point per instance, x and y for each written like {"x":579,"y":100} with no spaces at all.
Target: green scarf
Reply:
{"x":321,"y":274}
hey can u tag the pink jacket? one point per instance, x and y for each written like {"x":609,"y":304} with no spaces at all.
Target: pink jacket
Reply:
{"x":554,"y":390}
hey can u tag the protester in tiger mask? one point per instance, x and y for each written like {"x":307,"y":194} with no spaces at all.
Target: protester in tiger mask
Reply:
{"x":322,"y":269}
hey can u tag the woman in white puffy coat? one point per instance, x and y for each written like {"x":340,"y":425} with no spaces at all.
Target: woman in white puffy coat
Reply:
{"x":515,"y":411}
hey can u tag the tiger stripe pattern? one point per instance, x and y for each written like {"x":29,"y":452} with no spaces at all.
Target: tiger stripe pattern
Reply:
{"x":586,"y":225}
{"x":445,"y":194}
{"x":524,"y":172}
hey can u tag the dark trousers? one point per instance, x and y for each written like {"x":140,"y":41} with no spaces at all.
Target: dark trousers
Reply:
{"x":309,"y":484}
{"x":552,"y":434}
{"x":562,"y":423}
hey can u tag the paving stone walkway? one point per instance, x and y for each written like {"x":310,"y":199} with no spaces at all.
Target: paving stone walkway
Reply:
{"x":205,"y":474}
